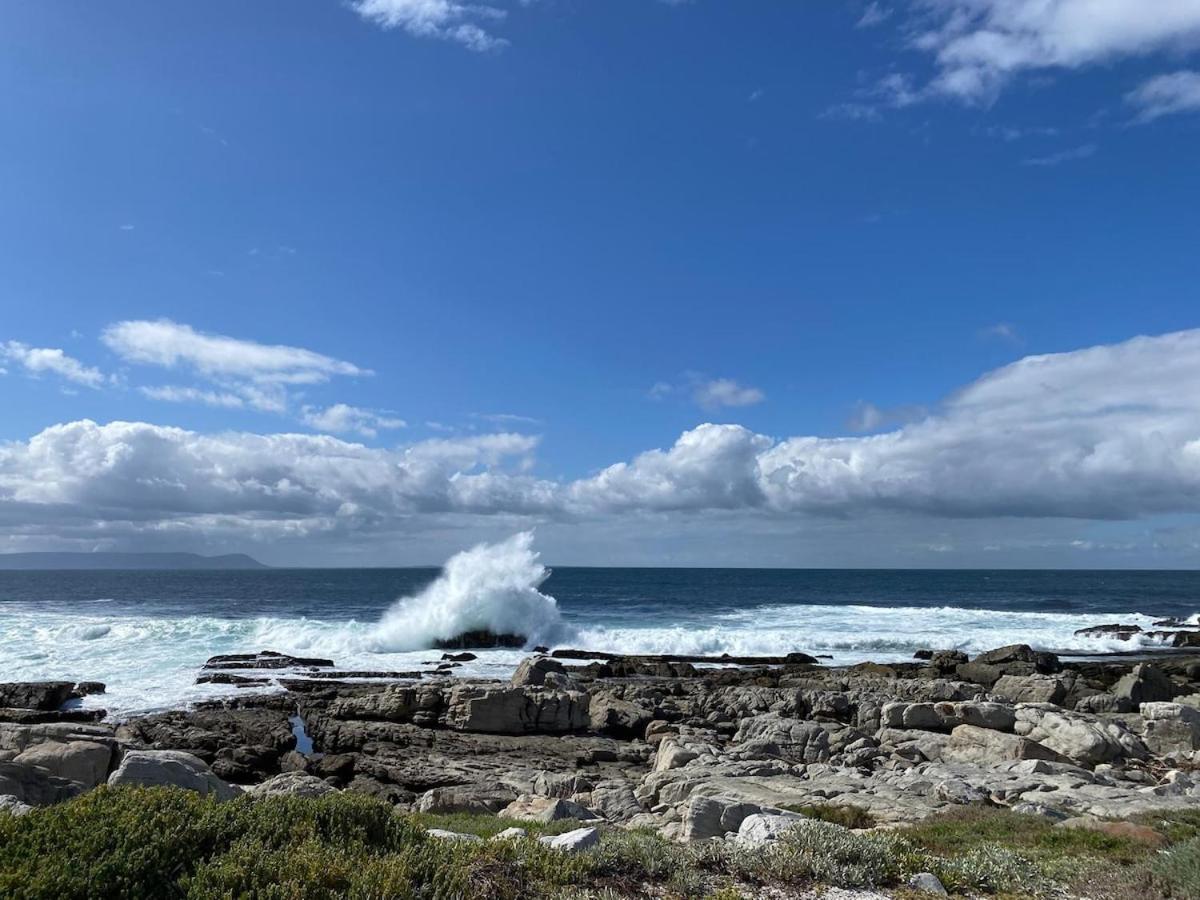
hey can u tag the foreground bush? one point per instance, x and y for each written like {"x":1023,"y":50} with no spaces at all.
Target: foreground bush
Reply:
{"x":152,"y":843}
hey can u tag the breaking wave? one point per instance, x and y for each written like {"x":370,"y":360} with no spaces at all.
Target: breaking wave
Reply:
{"x":491,"y":587}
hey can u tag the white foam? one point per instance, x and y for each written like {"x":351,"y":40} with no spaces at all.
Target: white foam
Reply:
{"x":491,"y":587}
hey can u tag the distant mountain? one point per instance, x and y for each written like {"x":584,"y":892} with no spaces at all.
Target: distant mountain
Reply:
{"x":127,"y":561}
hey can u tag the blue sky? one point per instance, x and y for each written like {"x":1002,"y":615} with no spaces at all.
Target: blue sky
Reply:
{"x":588,"y":227}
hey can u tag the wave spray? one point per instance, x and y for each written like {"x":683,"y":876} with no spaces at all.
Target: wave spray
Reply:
{"x":492,"y":587}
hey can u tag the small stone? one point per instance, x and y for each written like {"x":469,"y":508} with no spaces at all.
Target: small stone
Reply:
{"x":927,"y":883}
{"x":573,"y":841}
{"x":442,"y":835}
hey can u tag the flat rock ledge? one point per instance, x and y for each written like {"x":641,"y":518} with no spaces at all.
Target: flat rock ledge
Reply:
{"x":697,"y":748}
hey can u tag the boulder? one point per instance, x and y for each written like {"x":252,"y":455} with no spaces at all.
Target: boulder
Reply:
{"x":1144,"y":684}
{"x":708,"y":817}
{"x":84,"y":762}
{"x":1170,"y":728}
{"x":46,"y":696}
{"x":671,"y":755}
{"x":1046,"y":663}
{"x":531,"y":808}
{"x":618,"y":718}
{"x":516,"y":710}
{"x":1080,"y":738}
{"x":480,"y":799}
{"x":572,"y":841}
{"x":615,"y":800}
{"x":534,"y":669}
{"x":760,"y":829}
{"x":293,"y":784}
{"x":170,"y":768}
{"x":985,"y":747}
{"x":10,"y":805}
{"x":797,"y":739}
{"x":34,"y":786}
{"x":1031,"y":688}
{"x":510,"y":834}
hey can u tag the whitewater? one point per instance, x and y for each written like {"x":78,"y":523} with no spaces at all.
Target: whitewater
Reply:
{"x":147,"y":635}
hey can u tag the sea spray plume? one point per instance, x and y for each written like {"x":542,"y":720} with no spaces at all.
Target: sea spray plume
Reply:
{"x":491,"y":587}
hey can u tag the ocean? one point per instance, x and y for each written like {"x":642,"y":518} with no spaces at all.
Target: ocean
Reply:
{"x":146,"y":633}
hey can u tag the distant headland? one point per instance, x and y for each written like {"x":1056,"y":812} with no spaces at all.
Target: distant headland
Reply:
{"x":51,"y":560}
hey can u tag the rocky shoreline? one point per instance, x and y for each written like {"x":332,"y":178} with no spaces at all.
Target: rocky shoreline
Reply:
{"x":692,"y":747}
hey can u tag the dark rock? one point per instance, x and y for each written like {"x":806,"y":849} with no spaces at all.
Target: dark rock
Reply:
{"x":923,"y":654}
{"x":1121,"y":632}
{"x":541,"y":649}
{"x":336,"y":766}
{"x":230,"y":678}
{"x":87,"y":688}
{"x":265,"y":659}
{"x":458,"y":657}
{"x":481,"y":640}
{"x":1043,"y":662}
{"x":41,"y":695}
{"x":1144,"y":684}
{"x":41,"y":717}
{"x":35,"y":786}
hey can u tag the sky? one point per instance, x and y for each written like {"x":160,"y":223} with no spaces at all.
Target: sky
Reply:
{"x":364,"y":282}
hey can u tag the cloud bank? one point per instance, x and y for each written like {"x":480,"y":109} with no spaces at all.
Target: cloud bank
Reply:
{"x":1109,"y":432}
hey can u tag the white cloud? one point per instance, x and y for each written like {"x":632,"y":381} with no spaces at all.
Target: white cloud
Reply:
{"x":1071,"y":154}
{"x":260,"y":374}
{"x":874,"y":14}
{"x":1004,"y":331}
{"x":1165,"y":95}
{"x":38,"y":361}
{"x":445,"y":19}
{"x":725,"y":392}
{"x":979,"y":46}
{"x":176,"y":394}
{"x":1108,"y":432}
{"x":341,"y":418}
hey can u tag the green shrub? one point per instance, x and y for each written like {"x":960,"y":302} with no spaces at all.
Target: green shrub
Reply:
{"x":846,"y":816}
{"x":1177,"y":872}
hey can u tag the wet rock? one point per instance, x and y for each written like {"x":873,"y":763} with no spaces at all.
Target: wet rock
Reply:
{"x":230,"y":678}
{"x":38,"y":716}
{"x":481,"y":640}
{"x":88,"y":688}
{"x":265,"y":659}
{"x":170,"y":768}
{"x":1121,"y":632}
{"x":46,"y":696}
{"x":459,"y":657}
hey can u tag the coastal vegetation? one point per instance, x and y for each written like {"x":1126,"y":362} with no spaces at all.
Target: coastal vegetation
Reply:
{"x":165,"y":842}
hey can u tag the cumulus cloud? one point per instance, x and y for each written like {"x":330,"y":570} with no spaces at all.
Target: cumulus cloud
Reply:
{"x":259,"y":374}
{"x":341,"y":418}
{"x":1108,"y":432}
{"x":1166,"y":95}
{"x":445,"y":19}
{"x":37,"y":361}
